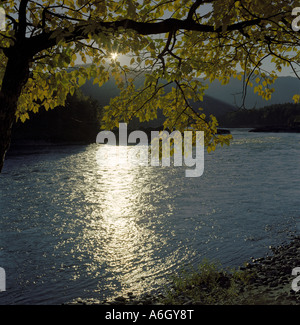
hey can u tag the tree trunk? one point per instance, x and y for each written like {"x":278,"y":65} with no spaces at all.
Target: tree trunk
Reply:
{"x":7,"y":116}
{"x":15,"y":77}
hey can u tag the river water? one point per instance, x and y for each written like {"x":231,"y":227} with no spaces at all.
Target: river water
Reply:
{"x":70,"y":228}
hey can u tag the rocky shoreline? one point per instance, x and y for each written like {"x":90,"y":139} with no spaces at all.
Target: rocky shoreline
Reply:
{"x":273,"y":278}
{"x":270,"y":282}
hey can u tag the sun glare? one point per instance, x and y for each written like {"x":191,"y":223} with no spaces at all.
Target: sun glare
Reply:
{"x":114,"y":56}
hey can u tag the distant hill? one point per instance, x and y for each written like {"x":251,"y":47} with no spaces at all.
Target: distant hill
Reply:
{"x":80,"y":119}
{"x":219,"y":99}
{"x":285,"y":88}
{"x":231,"y":94}
{"x":109,"y":90}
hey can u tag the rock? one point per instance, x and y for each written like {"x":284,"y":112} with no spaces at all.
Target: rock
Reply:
{"x":273,"y":284}
{"x":120,"y":299}
{"x":188,"y":302}
{"x":267,"y":261}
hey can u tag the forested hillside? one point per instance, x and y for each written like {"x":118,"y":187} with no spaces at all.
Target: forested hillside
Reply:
{"x":280,"y":115}
{"x":78,"y":121}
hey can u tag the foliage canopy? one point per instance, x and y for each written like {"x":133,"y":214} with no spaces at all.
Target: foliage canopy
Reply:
{"x":169,"y":42}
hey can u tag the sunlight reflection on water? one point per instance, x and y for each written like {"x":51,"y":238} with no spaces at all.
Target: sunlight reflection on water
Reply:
{"x":71,"y":228}
{"x":119,"y":231}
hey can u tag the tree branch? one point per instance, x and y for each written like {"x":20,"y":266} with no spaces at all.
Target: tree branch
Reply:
{"x":193,"y":9}
{"x":45,"y":40}
{"x":22,"y":18}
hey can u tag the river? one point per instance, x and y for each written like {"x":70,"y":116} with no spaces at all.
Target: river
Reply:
{"x":70,"y":228}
